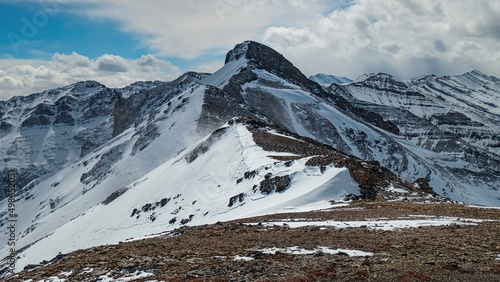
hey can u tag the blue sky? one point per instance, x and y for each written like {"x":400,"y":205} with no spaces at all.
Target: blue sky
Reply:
{"x":60,"y":32}
{"x":32,"y":30}
{"x":51,"y":43}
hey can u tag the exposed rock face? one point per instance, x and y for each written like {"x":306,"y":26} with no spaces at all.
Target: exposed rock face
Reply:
{"x":276,"y":184}
{"x":127,"y":110}
{"x":261,"y":57}
{"x":57,"y":126}
{"x":100,"y":104}
{"x":454,"y":115}
{"x":370,"y":176}
{"x":147,"y":95}
{"x":327,"y":79}
{"x":36,"y":121}
{"x":64,"y":118}
{"x":103,"y":166}
{"x":219,"y":107}
{"x":325,"y":131}
{"x":454,"y":118}
{"x":5,"y":126}
{"x":236,"y":199}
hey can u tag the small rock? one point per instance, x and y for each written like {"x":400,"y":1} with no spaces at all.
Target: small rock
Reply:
{"x":100,"y":272}
{"x":452,"y":264}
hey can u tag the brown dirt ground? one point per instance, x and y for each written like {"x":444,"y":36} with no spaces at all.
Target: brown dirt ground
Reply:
{"x":205,"y":253}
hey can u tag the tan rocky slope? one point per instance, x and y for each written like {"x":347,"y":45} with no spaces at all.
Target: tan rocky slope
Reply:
{"x":435,"y":242}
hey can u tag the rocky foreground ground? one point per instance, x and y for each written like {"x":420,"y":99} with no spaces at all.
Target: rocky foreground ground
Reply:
{"x":242,"y":250}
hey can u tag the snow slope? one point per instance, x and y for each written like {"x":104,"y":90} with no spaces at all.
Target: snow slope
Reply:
{"x":160,"y":170}
{"x":308,"y":115}
{"x":327,"y":79}
{"x":198,"y":192}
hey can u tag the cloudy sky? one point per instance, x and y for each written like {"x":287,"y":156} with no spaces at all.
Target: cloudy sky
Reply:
{"x":51,"y":43}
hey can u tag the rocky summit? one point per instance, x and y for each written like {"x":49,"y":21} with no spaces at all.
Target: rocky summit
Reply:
{"x":255,"y":173}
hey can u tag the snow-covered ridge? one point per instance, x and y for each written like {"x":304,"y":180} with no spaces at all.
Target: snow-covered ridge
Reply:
{"x":163,"y":168}
{"x":327,"y":79}
{"x":238,"y":52}
{"x":213,"y":187}
{"x":221,"y":77}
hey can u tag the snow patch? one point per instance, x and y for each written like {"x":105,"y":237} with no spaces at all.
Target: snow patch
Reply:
{"x":240,"y":258}
{"x":386,"y":225}
{"x":221,"y":77}
{"x":300,"y":251}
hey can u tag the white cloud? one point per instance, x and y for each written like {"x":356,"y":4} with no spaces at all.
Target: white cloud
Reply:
{"x":300,"y":40}
{"x":209,"y":67}
{"x":111,"y":63}
{"x":405,"y":38}
{"x":344,"y":37}
{"x":191,"y":28}
{"x":28,"y":77}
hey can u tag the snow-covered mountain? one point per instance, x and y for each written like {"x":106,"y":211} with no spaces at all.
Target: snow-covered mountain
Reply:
{"x":99,"y":165}
{"x":327,"y":79}
{"x":455,"y":116}
{"x":44,"y":132}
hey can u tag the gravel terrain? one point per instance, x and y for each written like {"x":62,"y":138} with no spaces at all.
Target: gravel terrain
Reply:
{"x":463,"y":250}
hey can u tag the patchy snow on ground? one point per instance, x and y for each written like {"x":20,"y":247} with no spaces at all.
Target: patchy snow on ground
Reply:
{"x":242,"y":258}
{"x":482,"y":207}
{"x":300,"y":251}
{"x":397,"y":190}
{"x":377,"y":224}
{"x":128,"y":277}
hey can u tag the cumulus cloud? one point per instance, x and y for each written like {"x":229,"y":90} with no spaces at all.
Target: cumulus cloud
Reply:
{"x":111,"y":63}
{"x":209,"y":67}
{"x":300,"y":40}
{"x":405,"y":38}
{"x":343,"y":37}
{"x":28,"y":77}
{"x":191,"y":28}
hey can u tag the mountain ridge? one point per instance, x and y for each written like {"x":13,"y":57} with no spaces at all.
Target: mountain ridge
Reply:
{"x":171,"y":138}
{"x":328,"y":79}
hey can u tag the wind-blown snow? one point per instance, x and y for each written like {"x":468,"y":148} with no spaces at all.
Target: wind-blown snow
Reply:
{"x":198,"y":193}
{"x":300,"y":251}
{"x":221,"y":77}
{"x":328,"y":79}
{"x":378,"y":224}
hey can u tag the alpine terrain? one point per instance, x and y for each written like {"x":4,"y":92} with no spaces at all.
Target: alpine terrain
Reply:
{"x":97,"y":166}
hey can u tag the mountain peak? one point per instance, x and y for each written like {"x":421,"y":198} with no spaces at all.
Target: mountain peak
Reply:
{"x":474,"y":71}
{"x":88,"y":84}
{"x":255,"y":52}
{"x":238,"y":51}
{"x":85,"y":87}
{"x":328,"y":79}
{"x":478,"y":74}
{"x":374,"y":76}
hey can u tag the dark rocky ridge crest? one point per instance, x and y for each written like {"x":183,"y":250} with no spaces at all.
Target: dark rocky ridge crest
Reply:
{"x":373,"y":179}
{"x":260,"y":56}
{"x":128,"y":110}
{"x":263,"y":57}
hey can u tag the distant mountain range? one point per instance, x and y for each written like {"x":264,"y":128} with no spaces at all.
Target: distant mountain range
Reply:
{"x":327,"y":79}
{"x":97,"y":165}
